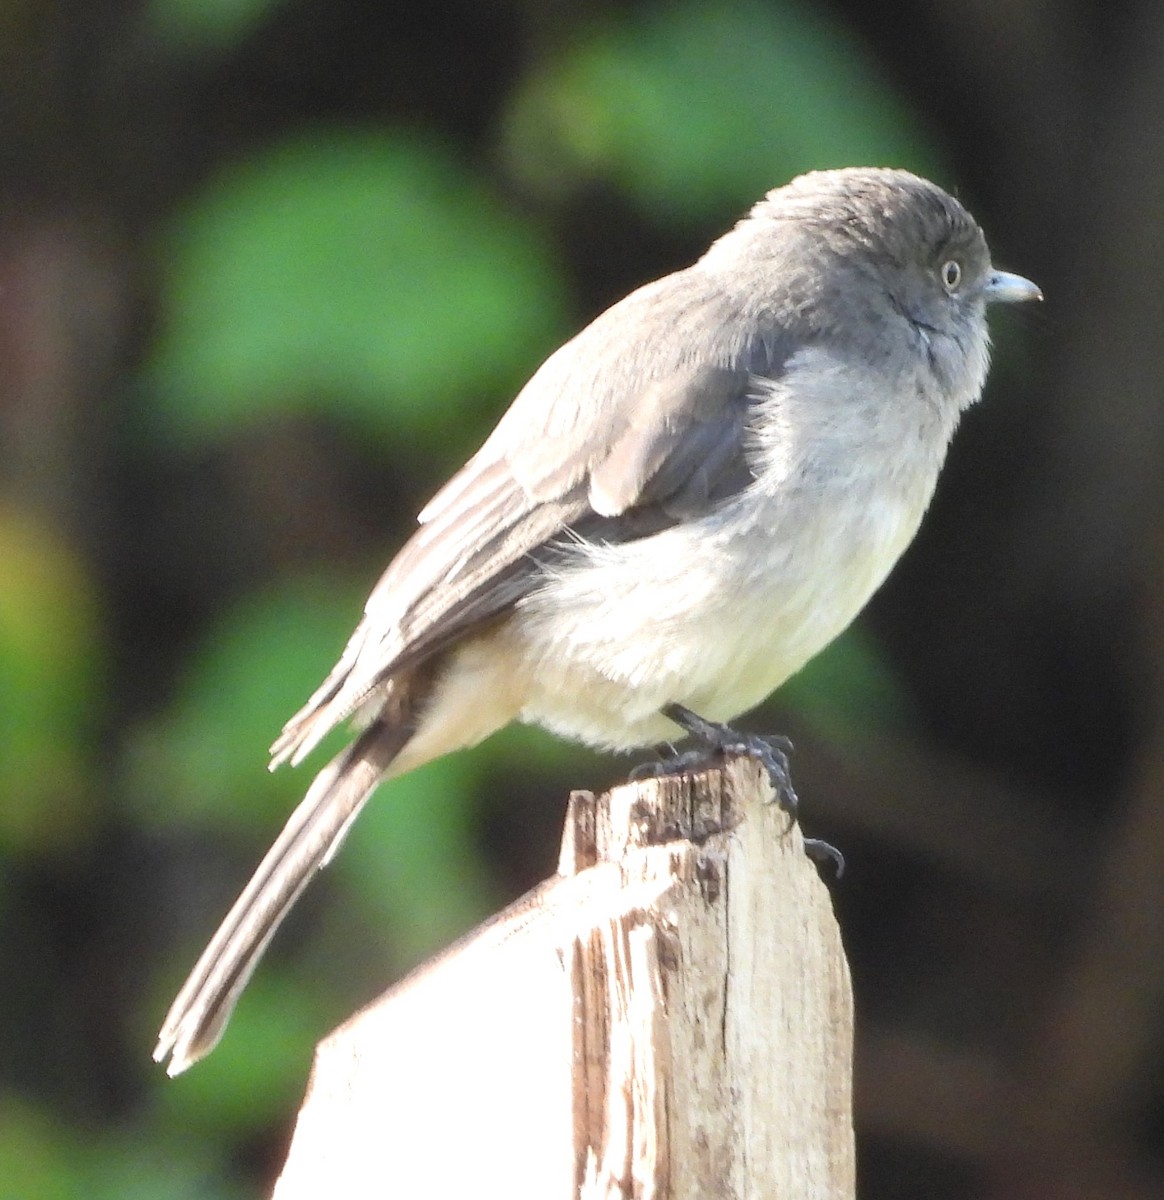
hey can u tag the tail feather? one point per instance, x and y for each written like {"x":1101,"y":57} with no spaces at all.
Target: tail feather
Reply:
{"x":199,"y":1014}
{"x":320,"y":715}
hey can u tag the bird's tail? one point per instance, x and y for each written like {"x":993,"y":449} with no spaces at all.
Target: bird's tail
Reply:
{"x":202,"y":1008}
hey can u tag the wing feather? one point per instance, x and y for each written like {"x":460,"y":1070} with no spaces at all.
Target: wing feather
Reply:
{"x":637,"y":422}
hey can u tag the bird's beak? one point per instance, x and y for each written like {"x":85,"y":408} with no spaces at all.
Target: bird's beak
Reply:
{"x":1006,"y":288}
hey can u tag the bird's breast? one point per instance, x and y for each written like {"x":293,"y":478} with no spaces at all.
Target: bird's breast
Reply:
{"x":714,"y":614}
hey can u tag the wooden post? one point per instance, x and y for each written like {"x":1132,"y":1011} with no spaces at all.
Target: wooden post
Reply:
{"x":670,"y":1017}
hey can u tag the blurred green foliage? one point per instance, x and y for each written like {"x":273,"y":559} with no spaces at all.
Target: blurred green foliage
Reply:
{"x":240,"y":683}
{"x":438,"y":889}
{"x":260,"y":1078}
{"x":45,"y":1158}
{"x":363,"y":274}
{"x":206,"y":25}
{"x":849,"y":693}
{"x":51,"y":651}
{"x":696,"y":109}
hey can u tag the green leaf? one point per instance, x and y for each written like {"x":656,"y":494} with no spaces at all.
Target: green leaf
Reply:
{"x":257,"y":1076}
{"x":50,"y":653}
{"x":206,"y":24}
{"x":413,"y":858}
{"x":360,"y":274}
{"x":44,"y":1158}
{"x":204,"y":760}
{"x":136,"y":1163}
{"x":37,"y":1157}
{"x":696,"y":110}
{"x":849,"y":693}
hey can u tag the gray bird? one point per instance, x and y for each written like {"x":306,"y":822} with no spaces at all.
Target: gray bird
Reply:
{"x":686,"y":502}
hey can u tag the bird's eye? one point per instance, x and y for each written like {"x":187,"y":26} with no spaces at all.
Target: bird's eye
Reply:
{"x":951,"y":275}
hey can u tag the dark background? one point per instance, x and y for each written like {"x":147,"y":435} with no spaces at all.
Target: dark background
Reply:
{"x":270,"y":270}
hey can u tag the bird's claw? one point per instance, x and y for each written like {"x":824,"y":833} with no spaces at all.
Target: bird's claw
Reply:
{"x":771,"y":751}
{"x":820,"y":851}
{"x":675,"y":763}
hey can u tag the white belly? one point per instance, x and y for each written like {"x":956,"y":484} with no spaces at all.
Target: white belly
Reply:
{"x":708,"y":621}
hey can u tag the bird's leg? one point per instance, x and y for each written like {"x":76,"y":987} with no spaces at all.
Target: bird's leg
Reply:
{"x":770,"y":750}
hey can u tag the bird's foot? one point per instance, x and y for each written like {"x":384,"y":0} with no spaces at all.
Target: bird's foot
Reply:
{"x":769,"y":750}
{"x":675,"y":762}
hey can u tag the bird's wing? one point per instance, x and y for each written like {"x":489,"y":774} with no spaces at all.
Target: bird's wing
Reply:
{"x":624,"y":431}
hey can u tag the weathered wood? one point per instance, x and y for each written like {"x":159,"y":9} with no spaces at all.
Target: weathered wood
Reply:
{"x":669,"y":1017}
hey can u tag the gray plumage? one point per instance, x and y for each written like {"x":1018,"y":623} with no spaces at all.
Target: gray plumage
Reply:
{"x":686,"y":502}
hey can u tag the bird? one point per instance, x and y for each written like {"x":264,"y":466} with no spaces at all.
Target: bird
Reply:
{"x":686,"y":502}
